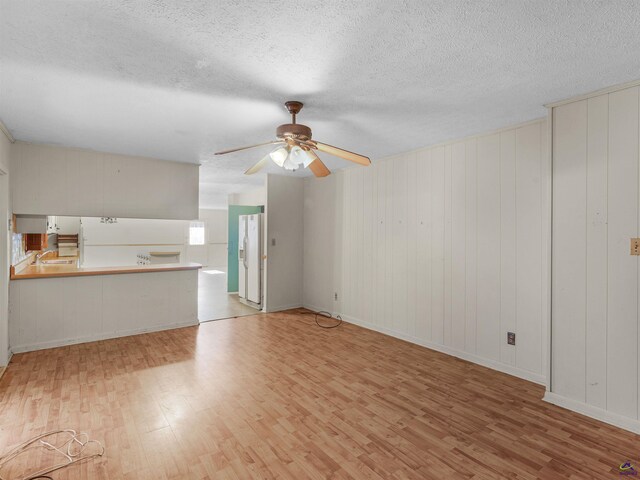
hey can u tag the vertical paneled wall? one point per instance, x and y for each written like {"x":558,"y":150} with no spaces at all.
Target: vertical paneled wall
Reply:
{"x":284,"y":242}
{"x":595,"y":361}
{"x":51,"y":180}
{"x":443,"y":247}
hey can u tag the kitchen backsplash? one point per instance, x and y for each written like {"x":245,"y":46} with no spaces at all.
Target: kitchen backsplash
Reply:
{"x":18,"y":248}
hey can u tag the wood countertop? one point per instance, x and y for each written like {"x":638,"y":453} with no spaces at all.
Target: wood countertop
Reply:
{"x":73,"y":270}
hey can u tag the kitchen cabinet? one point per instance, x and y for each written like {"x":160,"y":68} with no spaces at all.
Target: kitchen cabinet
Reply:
{"x":52,"y":224}
{"x":37,"y":241}
{"x":36,"y":224}
{"x":31,"y":224}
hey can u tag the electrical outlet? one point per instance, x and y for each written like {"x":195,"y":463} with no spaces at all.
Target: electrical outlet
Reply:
{"x":511,"y":338}
{"x":273,"y":242}
{"x":635,"y":246}
{"x":335,"y":296}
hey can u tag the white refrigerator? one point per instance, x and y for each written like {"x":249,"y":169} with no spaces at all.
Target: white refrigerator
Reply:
{"x":250,"y":259}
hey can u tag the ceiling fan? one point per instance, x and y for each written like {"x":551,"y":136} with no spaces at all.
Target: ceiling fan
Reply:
{"x":296,"y":148}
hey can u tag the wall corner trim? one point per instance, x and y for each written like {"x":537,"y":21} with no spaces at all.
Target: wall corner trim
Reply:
{"x":596,"y":413}
{"x":6,"y":132}
{"x":3,"y":368}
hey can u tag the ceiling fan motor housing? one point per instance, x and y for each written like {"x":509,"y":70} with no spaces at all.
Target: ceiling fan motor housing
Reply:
{"x":293,"y":130}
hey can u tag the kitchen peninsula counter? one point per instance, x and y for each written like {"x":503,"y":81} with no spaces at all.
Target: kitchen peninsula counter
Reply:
{"x":73,"y":270}
{"x":57,"y":304}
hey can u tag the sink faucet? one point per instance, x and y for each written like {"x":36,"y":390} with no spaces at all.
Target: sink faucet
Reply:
{"x":40,"y":255}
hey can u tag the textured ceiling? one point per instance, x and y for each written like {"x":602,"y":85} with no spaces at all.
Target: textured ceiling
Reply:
{"x":179,"y":80}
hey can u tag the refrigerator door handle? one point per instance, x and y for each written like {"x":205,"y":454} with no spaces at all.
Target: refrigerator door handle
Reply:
{"x":244,"y":257}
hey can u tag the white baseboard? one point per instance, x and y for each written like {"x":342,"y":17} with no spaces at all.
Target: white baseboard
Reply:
{"x":94,"y":338}
{"x":470,"y":357}
{"x":605,"y":416}
{"x":280,"y":308}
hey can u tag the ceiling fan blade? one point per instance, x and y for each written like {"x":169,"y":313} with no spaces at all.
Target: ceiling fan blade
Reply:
{"x":339,"y":152}
{"x":224,"y":152}
{"x":318,"y":168}
{"x":258,"y":166}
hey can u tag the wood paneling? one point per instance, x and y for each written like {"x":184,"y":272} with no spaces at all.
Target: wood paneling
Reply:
{"x":444,"y":248}
{"x":316,"y":194}
{"x":569,"y":249}
{"x":448,"y":260}
{"x":596,"y":308}
{"x":398,"y":242}
{"x":488,"y":341}
{"x":423,"y":259}
{"x":471,"y":245}
{"x":458,"y":245}
{"x":622,"y":307}
{"x":529,"y":258}
{"x":284,"y":223}
{"x":508,"y":244}
{"x":595,"y":280}
{"x":437,"y":244}
{"x":48,"y":180}
{"x":293,"y":401}
{"x":49,"y":312}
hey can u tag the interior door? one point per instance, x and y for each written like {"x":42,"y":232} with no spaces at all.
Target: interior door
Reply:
{"x":242,"y":256}
{"x":253,"y":258}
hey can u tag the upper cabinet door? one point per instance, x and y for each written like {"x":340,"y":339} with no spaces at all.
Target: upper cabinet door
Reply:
{"x":52,"y":224}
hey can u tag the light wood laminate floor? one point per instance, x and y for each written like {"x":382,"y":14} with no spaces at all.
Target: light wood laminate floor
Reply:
{"x":273,"y":396}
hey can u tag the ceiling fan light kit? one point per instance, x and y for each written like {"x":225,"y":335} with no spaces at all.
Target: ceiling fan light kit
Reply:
{"x":279,"y":155}
{"x":297,"y":149}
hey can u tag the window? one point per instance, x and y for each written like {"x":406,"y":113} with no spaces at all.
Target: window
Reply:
{"x":196,"y":233}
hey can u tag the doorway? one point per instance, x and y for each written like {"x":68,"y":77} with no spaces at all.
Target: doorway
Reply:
{"x":218,"y":279}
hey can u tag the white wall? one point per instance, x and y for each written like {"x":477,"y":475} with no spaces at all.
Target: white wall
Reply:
{"x":443,"y":247}
{"x":595,"y":292}
{"x":68,"y":225}
{"x":323,"y":211}
{"x":50,"y":180}
{"x":49,"y":312}
{"x":284,"y":224}
{"x":253,"y":197}
{"x":5,"y":212}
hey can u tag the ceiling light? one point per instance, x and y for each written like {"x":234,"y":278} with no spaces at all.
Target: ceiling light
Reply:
{"x":298,"y":149}
{"x":279,"y":155}
{"x":290,"y":164}
{"x":300,"y":157}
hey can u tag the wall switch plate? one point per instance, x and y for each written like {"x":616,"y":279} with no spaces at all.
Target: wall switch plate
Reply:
{"x":511,"y":338}
{"x":335,"y":296}
{"x":635,"y":246}
{"x":273,"y":242}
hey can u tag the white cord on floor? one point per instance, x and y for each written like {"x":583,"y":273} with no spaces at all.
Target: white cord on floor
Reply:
{"x":81,"y":439}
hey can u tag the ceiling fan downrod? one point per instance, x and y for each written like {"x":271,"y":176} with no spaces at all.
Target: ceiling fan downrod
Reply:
{"x":294,"y":108}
